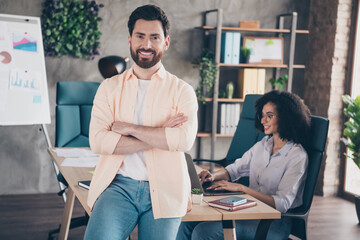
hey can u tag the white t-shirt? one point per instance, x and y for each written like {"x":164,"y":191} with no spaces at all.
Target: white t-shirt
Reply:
{"x":134,"y":165}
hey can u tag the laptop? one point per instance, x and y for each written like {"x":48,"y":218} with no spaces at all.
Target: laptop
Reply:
{"x":195,"y":181}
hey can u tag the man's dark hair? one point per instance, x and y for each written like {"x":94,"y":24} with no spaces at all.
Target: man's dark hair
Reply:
{"x":293,"y":116}
{"x":149,"y":13}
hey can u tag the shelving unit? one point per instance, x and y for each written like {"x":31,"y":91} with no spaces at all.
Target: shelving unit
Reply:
{"x":290,"y":66}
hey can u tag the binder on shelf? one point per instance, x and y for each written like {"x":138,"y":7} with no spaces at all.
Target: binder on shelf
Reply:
{"x":251,"y":81}
{"x":236,"y":48}
{"x":261,"y":81}
{"x":228,"y":119}
{"x":226,"y":47}
{"x":222,"y":118}
{"x":232,"y":118}
{"x":247,"y":81}
{"x":237,"y":114}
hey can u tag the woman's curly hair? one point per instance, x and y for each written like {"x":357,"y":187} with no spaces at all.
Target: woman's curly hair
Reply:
{"x":293,"y":115}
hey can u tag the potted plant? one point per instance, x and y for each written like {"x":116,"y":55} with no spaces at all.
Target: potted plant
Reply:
{"x":245,"y":54}
{"x":352,"y":135}
{"x":196,"y":195}
{"x":279,"y":83}
{"x":208,"y":70}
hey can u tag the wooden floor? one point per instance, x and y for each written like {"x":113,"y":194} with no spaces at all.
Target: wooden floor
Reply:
{"x":28,"y":217}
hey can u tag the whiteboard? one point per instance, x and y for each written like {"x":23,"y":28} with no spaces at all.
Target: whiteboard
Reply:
{"x":24,"y":98}
{"x":265,"y":50}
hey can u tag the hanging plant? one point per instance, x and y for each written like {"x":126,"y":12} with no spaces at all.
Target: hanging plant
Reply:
{"x":71,"y":28}
{"x":208,"y":70}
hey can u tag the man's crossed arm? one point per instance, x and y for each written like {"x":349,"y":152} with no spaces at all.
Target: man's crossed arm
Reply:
{"x":136,"y":138}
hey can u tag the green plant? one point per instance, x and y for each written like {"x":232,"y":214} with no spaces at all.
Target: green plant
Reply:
{"x":208,"y":70}
{"x":71,"y":28}
{"x":196,"y":191}
{"x":352,"y":128}
{"x":245,"y":51}
{"x":280,"y":82}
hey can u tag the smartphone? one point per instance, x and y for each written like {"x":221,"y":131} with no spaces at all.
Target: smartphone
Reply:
{"x":233,"y":201}
{"x":84,"y":184}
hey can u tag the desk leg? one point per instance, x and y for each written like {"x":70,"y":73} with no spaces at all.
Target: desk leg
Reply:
{"x":262,"y":229}
{"x":66,"y":219}
{"x":229,"y":229}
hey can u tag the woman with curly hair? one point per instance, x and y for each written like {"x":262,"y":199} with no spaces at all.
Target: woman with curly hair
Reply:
{"x":276,"y":166}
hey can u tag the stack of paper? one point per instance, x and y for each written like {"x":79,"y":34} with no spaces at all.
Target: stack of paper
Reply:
{"x":77,"y":157}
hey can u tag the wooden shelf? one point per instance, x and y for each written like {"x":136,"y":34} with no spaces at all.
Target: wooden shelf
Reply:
{"x":229,"y":100}
{"x":260,"y":65}
{"x":290,"y":33}
{"x":201,"y":134}
{"x":263,"y":30}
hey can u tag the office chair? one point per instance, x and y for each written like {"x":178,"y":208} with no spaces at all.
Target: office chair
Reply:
{"x":246,"y":135}
{"x":74,"y":103}
{"x":299,"y":215}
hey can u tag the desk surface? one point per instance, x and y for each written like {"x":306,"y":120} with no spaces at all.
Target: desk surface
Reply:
{"x":200,"y":212}
{"x":74,"y":174}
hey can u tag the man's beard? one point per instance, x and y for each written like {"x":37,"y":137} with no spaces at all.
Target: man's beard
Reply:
{"x":148,"y":62}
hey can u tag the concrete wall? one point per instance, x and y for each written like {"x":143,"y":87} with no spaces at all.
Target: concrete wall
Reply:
{"x":25,"y":166}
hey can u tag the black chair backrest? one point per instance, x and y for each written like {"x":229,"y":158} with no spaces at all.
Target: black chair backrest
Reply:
{"x":246,"y":135}
{"x":319,"y":132}
{"x":74,"y":101}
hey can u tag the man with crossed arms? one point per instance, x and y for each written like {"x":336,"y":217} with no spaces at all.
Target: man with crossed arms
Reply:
{"x":142,"y":122}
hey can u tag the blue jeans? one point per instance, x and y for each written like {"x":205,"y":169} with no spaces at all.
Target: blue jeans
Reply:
{"x":245,"y":229}
{"x":125,"y":203}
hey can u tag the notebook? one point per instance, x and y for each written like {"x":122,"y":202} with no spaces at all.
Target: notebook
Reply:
{"x":230,"y":207}
{"x":195,"y":181}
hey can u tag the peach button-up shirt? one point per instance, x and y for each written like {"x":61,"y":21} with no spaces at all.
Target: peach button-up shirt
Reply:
{"x":166,"y":95}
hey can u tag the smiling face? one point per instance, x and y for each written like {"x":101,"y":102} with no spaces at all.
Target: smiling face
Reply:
{"x":148,"y":43}
{"x":269,"y":119}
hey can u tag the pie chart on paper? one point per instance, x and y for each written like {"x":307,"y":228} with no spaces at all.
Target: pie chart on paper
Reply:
{"x":5,"y":57}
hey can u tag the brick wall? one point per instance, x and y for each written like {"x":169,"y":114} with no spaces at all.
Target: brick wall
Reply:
{"x":329,"y":27}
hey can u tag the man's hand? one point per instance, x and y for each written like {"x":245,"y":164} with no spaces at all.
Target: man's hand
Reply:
{"x":127,"y":129}
{"x":123,"y":128}
{"x":225,"y":185}
{"x":152,"y":136}
{"x":175,"y":121}
{"x":206,"y":176}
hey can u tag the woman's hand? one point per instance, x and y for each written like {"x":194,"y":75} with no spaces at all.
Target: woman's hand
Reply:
{"x":206,"y":176}
{"x":225,"y":185}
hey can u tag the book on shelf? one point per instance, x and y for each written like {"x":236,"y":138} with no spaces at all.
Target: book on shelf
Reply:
{"x":85,"y":184}
{"x":229,"y":207}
